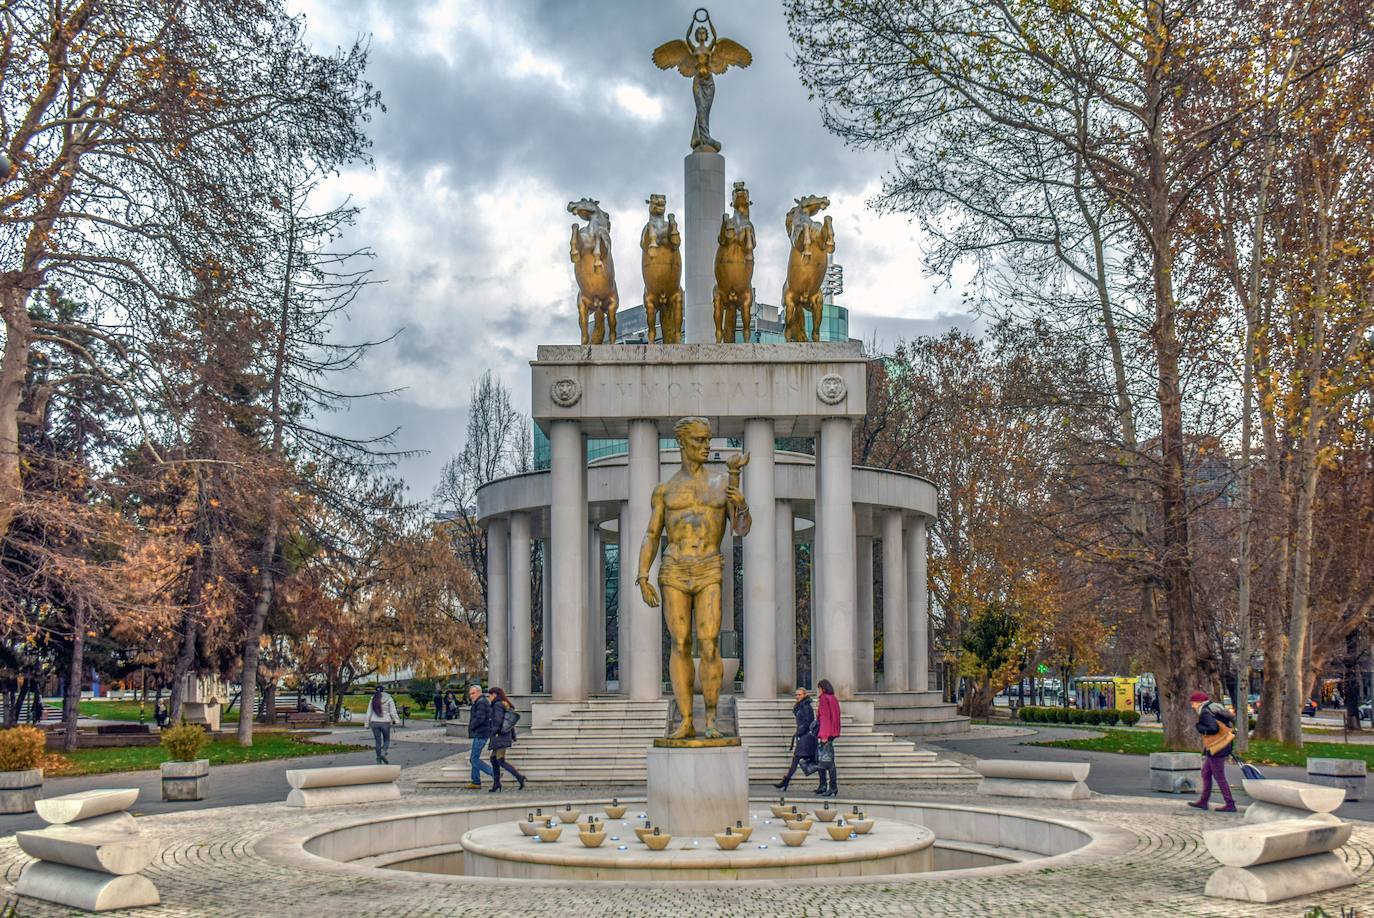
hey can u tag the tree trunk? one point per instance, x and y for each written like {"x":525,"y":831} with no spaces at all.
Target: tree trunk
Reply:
{"x":71,"y":702}
{"x":1350,"y":680}
{"x":252,"y":639}
{"x":14,"y":366}
{"x":266,"y":578}
{"x":186,"y":655}
{"x":269,"y":703}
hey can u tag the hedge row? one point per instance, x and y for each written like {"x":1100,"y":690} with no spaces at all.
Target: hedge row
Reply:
{"x":1107,"y":717}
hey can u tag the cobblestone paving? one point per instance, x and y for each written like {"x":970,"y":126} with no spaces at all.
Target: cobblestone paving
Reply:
{"x":210,"y":866}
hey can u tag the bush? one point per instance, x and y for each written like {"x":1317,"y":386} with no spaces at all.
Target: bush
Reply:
{"x":1130,"y":718}
{"x":21,"y":748}
{"x":1109,"y":717}
{"x":1077,"y":716}
{"x":184,"y":743}
{"x":1092,"y":717}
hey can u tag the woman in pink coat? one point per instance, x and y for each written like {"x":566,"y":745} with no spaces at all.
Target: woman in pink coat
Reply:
{"x":828,"y":721}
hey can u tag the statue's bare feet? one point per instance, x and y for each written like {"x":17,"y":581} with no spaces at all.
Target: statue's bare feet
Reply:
{"x":712,"y":733}
{"x":686,"y":731}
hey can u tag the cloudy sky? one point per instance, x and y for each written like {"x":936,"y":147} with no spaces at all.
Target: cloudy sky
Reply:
{"x":499,"y":113}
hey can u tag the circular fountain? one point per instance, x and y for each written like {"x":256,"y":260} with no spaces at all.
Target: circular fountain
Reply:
{"x":912,"y":840}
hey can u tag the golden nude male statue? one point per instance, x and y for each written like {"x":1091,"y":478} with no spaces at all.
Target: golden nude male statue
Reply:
{"x":691,"y":507}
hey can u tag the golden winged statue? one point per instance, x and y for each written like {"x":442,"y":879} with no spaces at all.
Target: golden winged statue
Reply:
{"x":699,"y":55}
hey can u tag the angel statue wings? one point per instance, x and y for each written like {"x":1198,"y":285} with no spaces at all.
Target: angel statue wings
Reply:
{"x":700,"y":55}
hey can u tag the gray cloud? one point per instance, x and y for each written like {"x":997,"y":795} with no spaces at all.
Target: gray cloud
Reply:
{"x":501,"y":112}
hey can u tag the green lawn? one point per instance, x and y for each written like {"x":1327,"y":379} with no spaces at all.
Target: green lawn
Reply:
{"x":220,"y":752}
{"x":1262,"y":752}
{"x":128,"y":710}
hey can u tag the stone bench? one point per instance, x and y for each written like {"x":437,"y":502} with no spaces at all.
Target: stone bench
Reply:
{"x":1176,"y":772}
{"x":90,"y":855}
{"x":1286,"y":800}
{"x":343,"y":784}
{"x":1015,"y":778}
{"x":1347,"y":774}
{"x":1274,"y":861}
{"x":307,"y":717}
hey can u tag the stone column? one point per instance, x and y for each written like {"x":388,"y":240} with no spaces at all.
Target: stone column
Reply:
{"x":896,"y":661}
{"x":760,"y":556}
{"x":520,"y":608}
{"x":704,"y":185}
{"x":596,"y":610}
{"x":918,"y":629}
{"x":818,"y":613}
{"x":863,"y":619}
{"x":625,"y":573}
{"x":785,"y":596}
{"x":498,"y":598}
{"x":568,"y":525}
{"x":546,"y":615}
{"x":835,"y":530}
{"x":727,"y":580}
{"x":645,"y":623}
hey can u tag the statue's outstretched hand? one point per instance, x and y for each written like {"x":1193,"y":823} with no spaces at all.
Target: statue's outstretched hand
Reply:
{"x":650,"y":594}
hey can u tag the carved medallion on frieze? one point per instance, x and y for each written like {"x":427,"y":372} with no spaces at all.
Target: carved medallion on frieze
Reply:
{"x":566,"y":392}
{"x":831,"y":389}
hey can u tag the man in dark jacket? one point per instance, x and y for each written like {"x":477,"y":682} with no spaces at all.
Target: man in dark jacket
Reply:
{"x":803,"y":740}
{"x":1212,"y":719}
{"x":479,"y":731}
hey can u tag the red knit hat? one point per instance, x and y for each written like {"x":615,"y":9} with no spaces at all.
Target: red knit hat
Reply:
{"x":1197,"y":696}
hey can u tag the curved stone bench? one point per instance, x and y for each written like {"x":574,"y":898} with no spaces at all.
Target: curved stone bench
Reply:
{"x":90,"y":855}
{"x":85,"y":805}
{"x":118,"y":853}
{"x":1278,"y":799}
{"x":342,"y":784}
{"x":1015,"y":778}
{"x":1278,"y":860}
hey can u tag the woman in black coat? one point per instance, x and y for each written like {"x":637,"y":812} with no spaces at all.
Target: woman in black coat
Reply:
{"x":803,"y":740}
{"x":502,"y":737}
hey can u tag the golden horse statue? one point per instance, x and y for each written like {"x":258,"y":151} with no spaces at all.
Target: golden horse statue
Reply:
{"x":734,"y":292}
{"x":809,"y":244}
{"x":590,"y":251}
{"x":661,"y":263}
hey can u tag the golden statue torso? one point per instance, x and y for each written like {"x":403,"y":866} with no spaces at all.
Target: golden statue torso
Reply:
{"x":694,"y":515}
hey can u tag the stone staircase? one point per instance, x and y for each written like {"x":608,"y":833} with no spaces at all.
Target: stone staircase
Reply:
{"x":602,"y":742}
{"x":915,"y":714}
{"x":862,"y":754}
{"x":599,"y":742}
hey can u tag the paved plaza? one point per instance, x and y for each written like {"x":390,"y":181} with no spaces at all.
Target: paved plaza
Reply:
{"x":229,"y":860}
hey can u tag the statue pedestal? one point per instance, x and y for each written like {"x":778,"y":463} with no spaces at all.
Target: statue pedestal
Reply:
{"x":703,"y":180}
{"x":698,"y":787}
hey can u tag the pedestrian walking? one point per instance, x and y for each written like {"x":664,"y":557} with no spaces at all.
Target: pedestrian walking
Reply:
{"x":381,"y":714}
{"x":505,"y":717}
{"x":828,"y":721}
{"x":438,"y":704}
{"x":479,"y":731}
{"x":1214,"y":723}
{"x":803,"y":739}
